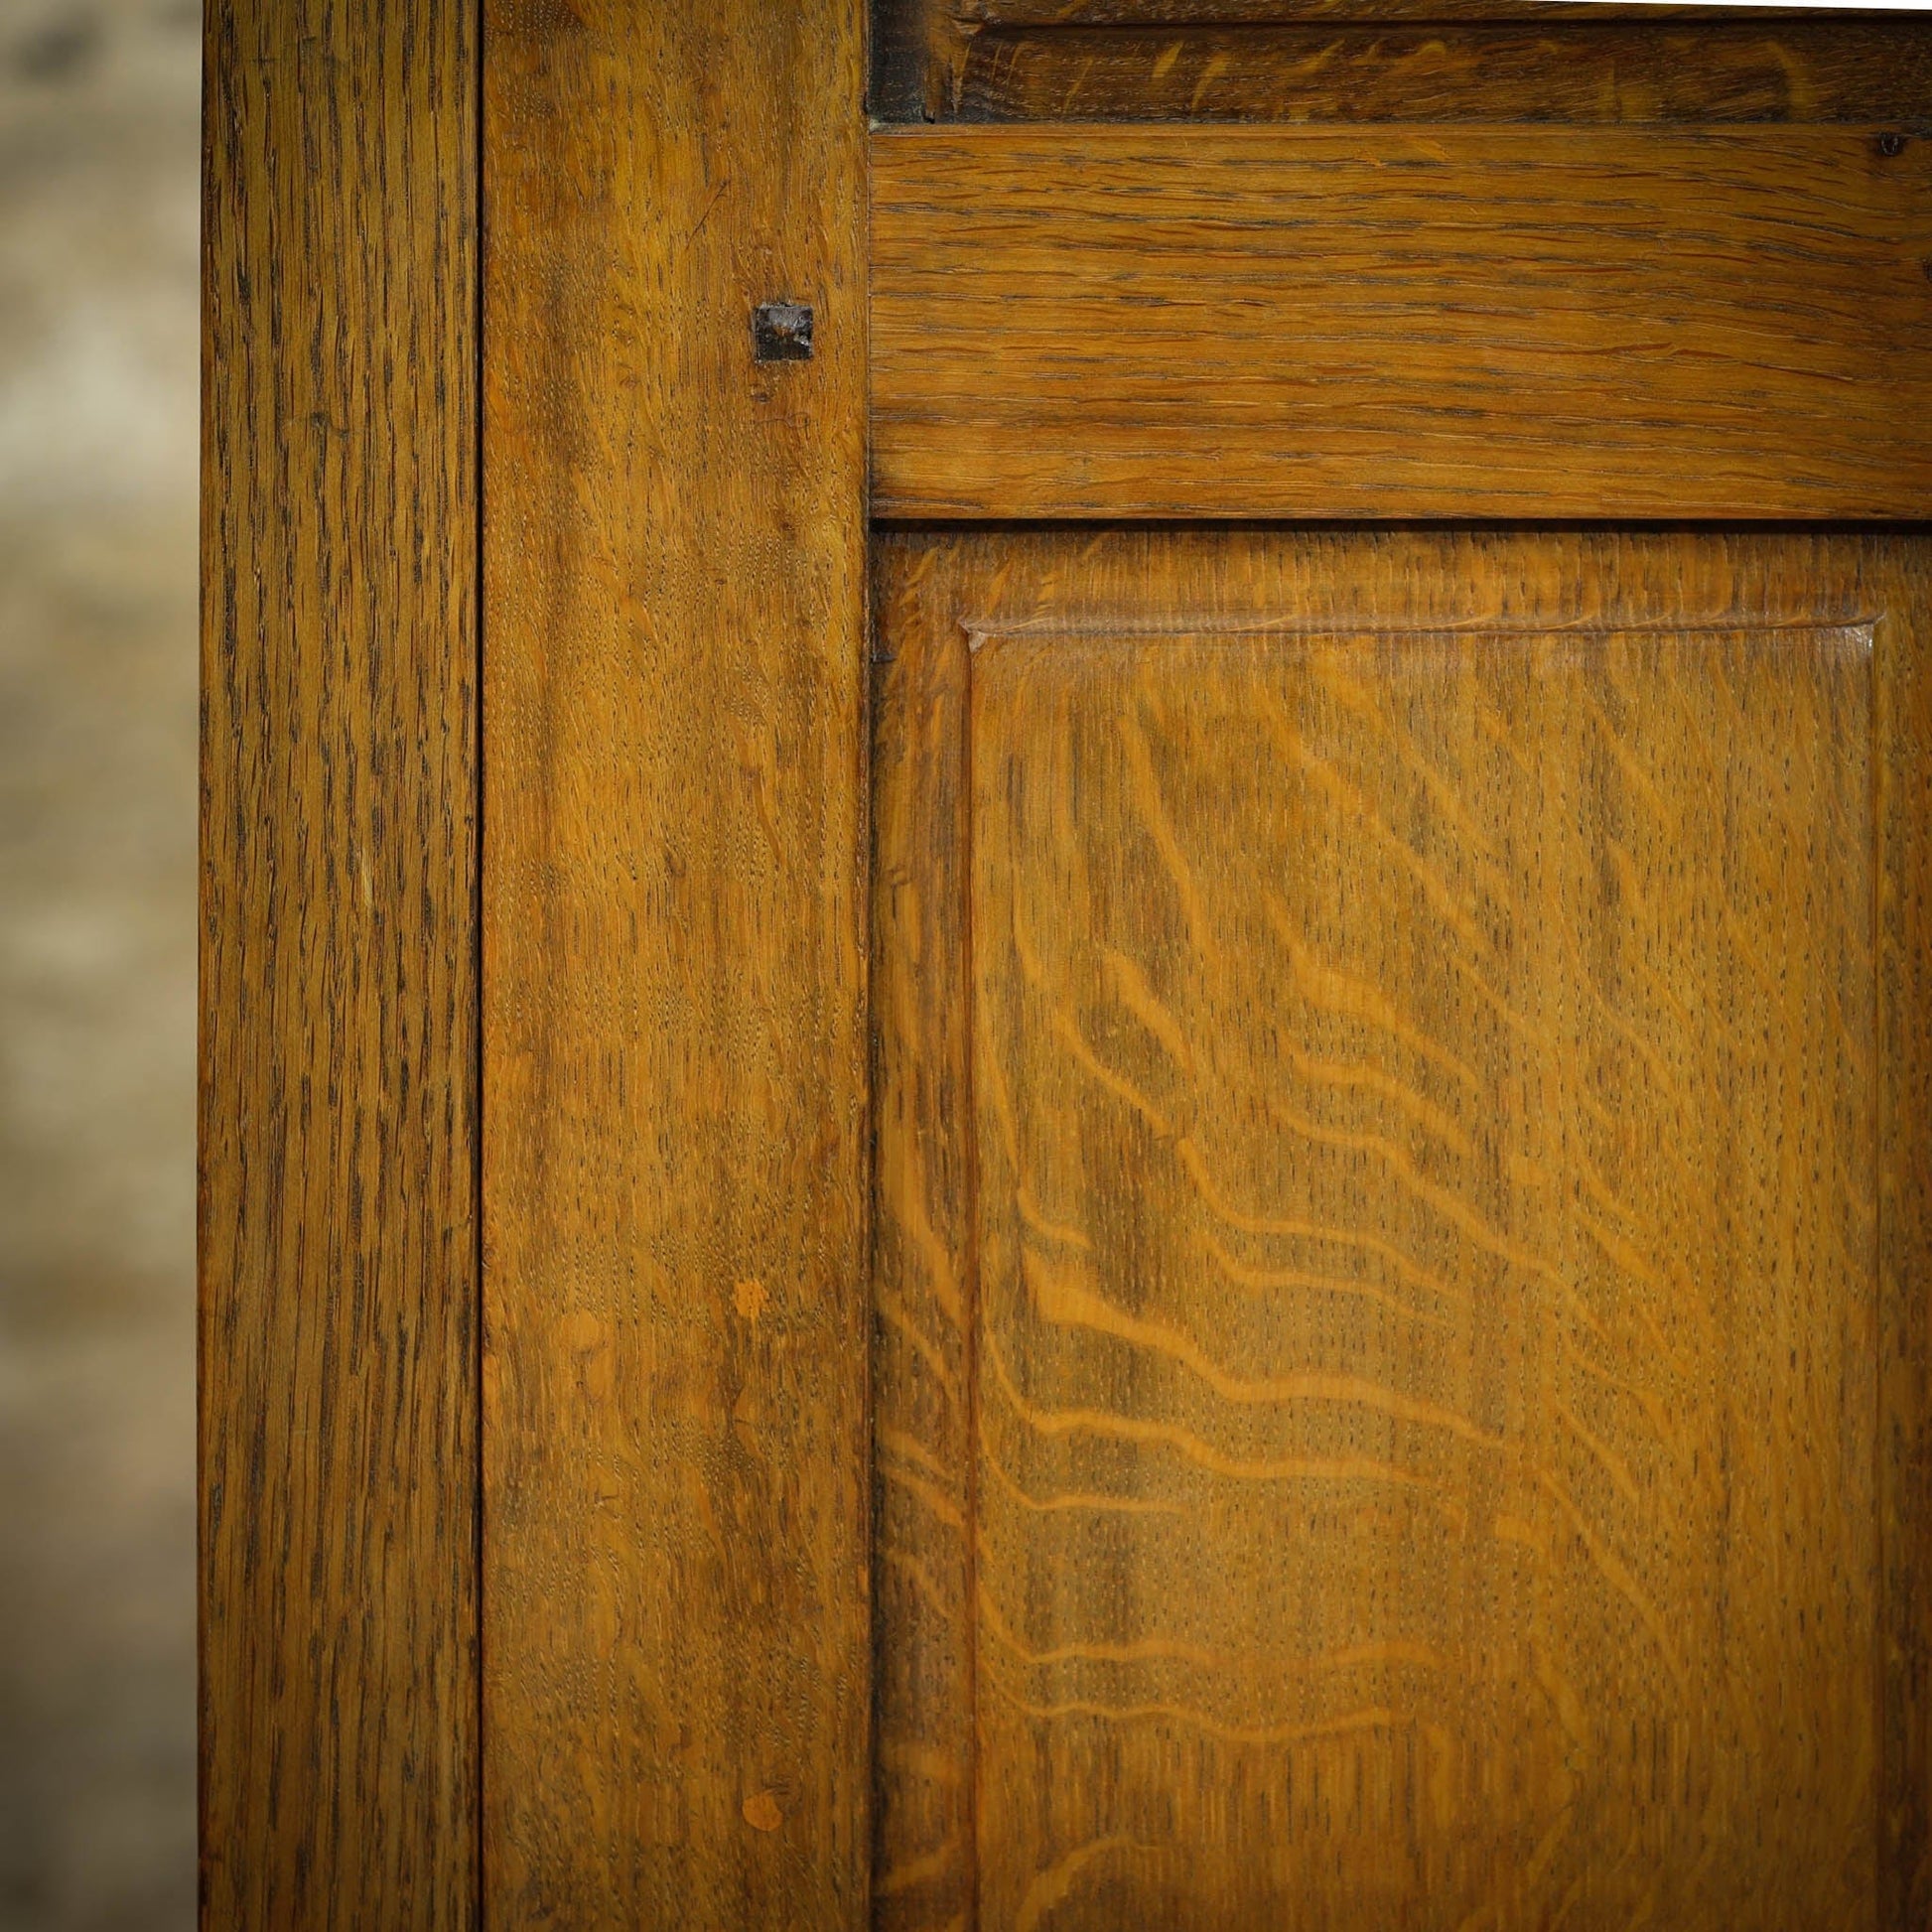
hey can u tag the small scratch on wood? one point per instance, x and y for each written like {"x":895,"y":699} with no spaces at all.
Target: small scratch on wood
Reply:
{"x":705,"y":216}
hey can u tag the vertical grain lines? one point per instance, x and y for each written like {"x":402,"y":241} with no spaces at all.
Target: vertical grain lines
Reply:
{"x":675,"y":1468}
{"x":1903,"y":737}
{"x":339,"y":996}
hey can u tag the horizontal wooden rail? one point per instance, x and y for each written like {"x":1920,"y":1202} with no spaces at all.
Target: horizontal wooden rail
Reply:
{"x":1435,"y":321}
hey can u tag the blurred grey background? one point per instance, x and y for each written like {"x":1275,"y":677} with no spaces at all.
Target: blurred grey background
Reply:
{"x":99,"y":151}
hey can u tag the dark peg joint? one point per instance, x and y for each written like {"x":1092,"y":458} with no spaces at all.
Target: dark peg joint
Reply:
{"x":781,"y":332}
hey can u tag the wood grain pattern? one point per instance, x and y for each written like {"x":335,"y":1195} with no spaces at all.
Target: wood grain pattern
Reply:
{"x":337,"y":1317}
{"x":675,"y":1470}
{"x":924,"y":51}
{"x":1626,"y":71}
{"x":1455,"y":322}
{"x":1394,"y":1393}
{"x":1166,"y":13}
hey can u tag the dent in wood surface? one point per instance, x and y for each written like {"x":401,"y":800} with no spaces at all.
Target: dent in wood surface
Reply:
{"x":675,"y":1672}
{"x":1447,"y":322}
{"x":1389,"y":1162}
{"x":338,"y":999}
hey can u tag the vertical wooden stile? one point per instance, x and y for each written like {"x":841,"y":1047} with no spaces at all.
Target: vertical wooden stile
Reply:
{"x":337,"y":1309}
{"x":675,"y":1474}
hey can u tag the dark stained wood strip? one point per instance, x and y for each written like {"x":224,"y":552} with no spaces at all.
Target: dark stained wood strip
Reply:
{"x":939,"y":60}
{"x":1248,"y":322}
{"x":1622,"y":71}
{"x":676,"y":1668}
{"x":338,"y":1323}
{"x":1142,"y":13}
{"x":1905,"y":825}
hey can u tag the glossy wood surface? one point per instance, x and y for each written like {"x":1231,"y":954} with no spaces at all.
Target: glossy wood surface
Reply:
{"x":1107,"y":321}
{"x":1583,"y":67}
{"x":1402,"y":1227}
{"x":338,"y":1318}
{"x":676,"y":1471}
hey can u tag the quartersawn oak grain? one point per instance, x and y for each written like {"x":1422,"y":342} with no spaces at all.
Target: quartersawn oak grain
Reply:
{"x":677,"y":1680}
{"x":1401,"y":1229}
{"x":1249,"y":322}
{"x":337,"y":1314}
{"x":941,"y":59}
{"x":1617,"y":70}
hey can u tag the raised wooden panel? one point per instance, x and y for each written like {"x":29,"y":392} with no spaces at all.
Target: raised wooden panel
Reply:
{"x":1365,"y":69}
{"x":1388,"y":1056}
{"x":1108,"y":321}
{"x":1393,"y":1398}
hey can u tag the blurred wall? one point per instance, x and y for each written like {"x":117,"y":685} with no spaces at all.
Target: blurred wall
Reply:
{"x":99,"y":150}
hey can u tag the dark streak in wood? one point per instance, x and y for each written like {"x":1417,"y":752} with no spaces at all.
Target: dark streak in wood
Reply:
{"x":1904,"y":935}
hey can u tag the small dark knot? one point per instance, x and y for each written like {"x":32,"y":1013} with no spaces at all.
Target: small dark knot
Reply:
{"x":1890,"y":145}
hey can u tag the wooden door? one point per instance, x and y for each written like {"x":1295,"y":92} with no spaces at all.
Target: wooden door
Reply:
{"x":1093,"y":1086}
